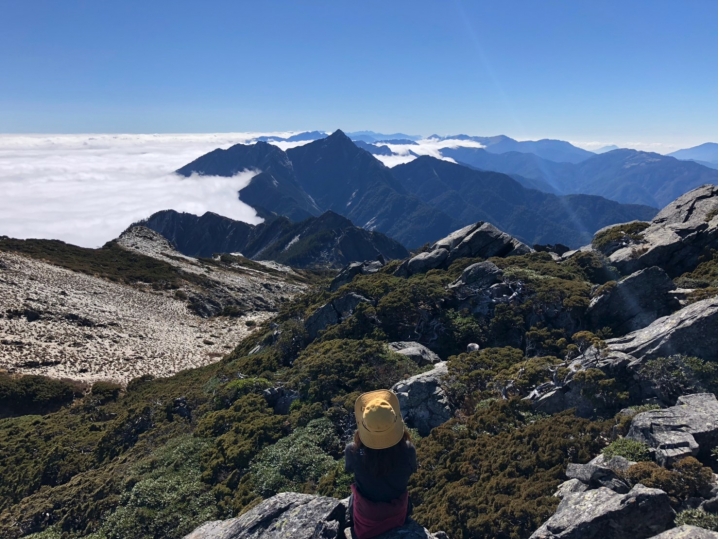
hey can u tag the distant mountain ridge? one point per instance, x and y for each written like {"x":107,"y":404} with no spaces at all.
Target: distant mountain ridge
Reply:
{"x":707,"y":152}
{"x":335,"y":174}
{"x":327,"y":241}
{"x":627,"y":176}
{"x":559,"y":151}
{"x":530,"y":215}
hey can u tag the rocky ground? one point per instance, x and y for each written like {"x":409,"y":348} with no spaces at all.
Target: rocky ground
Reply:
{"x":65,"y":324}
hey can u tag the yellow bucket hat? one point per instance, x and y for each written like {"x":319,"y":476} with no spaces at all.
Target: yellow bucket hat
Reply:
{"x":380,"y":423}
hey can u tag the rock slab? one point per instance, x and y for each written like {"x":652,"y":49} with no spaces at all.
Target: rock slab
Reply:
{"x":479,"y":240}
{"x":420,"y":354}
{"x":677,"y":236}
{"x":423,"y":401}
{"x":288,"y":515}
{"x":686,"y":532}
{"x":634,"y":302}
{"x":688,"y":429}
{"x":693,"y":331}
{"x":333,"y":312}
{"x":602,"y":513}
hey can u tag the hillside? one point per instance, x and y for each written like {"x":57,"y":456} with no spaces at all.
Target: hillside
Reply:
{"x":327,"y":241}
{"x":132,"y":308}
{"x":535,"y":370}
{"x":626,"y":176}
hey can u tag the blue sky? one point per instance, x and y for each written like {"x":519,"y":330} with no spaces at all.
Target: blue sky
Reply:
{"x":609,"y":71}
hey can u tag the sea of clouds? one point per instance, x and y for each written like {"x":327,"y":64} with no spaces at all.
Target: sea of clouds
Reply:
{"x":87,"y":189}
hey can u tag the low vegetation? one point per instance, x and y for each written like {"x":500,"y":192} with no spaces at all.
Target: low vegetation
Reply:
{"x":160,"y":456}
{"x":611,"y":238}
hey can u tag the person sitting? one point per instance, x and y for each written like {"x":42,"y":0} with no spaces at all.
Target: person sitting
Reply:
{"x":382,"y":459}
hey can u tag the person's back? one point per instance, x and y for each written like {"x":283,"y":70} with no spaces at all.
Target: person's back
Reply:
{"x":382,"y":459}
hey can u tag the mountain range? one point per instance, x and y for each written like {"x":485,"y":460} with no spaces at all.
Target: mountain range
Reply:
{"x":335,"y":174}
{"x":327,"y":241}
{"x":554,"y":150}
{"x":536,"y":217}
{"x":704,"y":154}
{"x":627,"y":176}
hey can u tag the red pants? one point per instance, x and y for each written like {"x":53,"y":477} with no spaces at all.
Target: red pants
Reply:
{"x":371,"y":519}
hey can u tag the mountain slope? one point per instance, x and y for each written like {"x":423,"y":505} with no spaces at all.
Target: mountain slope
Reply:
{"x":341,"y":177}
{"x":327,"y":174}
{"x":704,"y":152}
{"x":276,"y":190}
{"x":326,"y":241}
{"x":535,"y":217}
{"x":627,"y":176}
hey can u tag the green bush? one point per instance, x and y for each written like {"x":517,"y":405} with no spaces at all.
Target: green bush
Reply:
{"x":105,"y":391}
{"x":674,"y":376}
{"x":495,"y":477}
{"x":625,"y":233}
{"x":35,"y":394}
{"x":227,"y":394}
{"x":165,"y":496}
{"x":330,"y":369}
{"x":629,"y":449}
{"x":298,"y":461}
{"x":687,"y":478}
{"x":697,"y":517}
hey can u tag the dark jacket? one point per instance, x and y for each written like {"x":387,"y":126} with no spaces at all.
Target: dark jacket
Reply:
{"x":388,"y":487}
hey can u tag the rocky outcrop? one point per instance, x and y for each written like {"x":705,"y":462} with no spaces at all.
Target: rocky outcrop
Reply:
{"x":688,"y":429}
{"x":676,"y":237}
{"x":571,"y":486}
{"x":638,"y":514}
{"x":595,"y":476}
{"x":480,"y":240}
{"x":417,"y":352}
{"x":634,"y":302}
{"x":350,"y":271}
{"x":288,"y":515}
{"x":423,"y":401}
{"x":686,"y":532}
{"x":333,"y":312}
{"x":411,"y":530}
{"x":693,"y":331}
{"x":479,"y":275}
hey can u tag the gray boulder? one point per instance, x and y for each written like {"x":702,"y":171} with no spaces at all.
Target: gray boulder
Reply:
{"x":427,"y":261}
{"x":479,"y":275}
{"x":693,"y":330}
{"x":332,"y":313}
{"x":677,"y":236}
{"x":288,"y":515}
{"x":619,"y":465}
{"x":411,"y":530}
{"x":571,"y":486}
{"x":348,"y":273}
{"x":414,"y":350}
{"x":423,"y":401}
{"x":603,"y":513}
{"x":634,"y":302}
{"x":597,"y":476}
{"x":686,"y":532}
{"x":479,"y":240}
{"x":688,"y":429}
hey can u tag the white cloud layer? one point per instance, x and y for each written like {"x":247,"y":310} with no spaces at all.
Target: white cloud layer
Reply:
{"x":86,"y":189}
{"x":404,"y":153}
